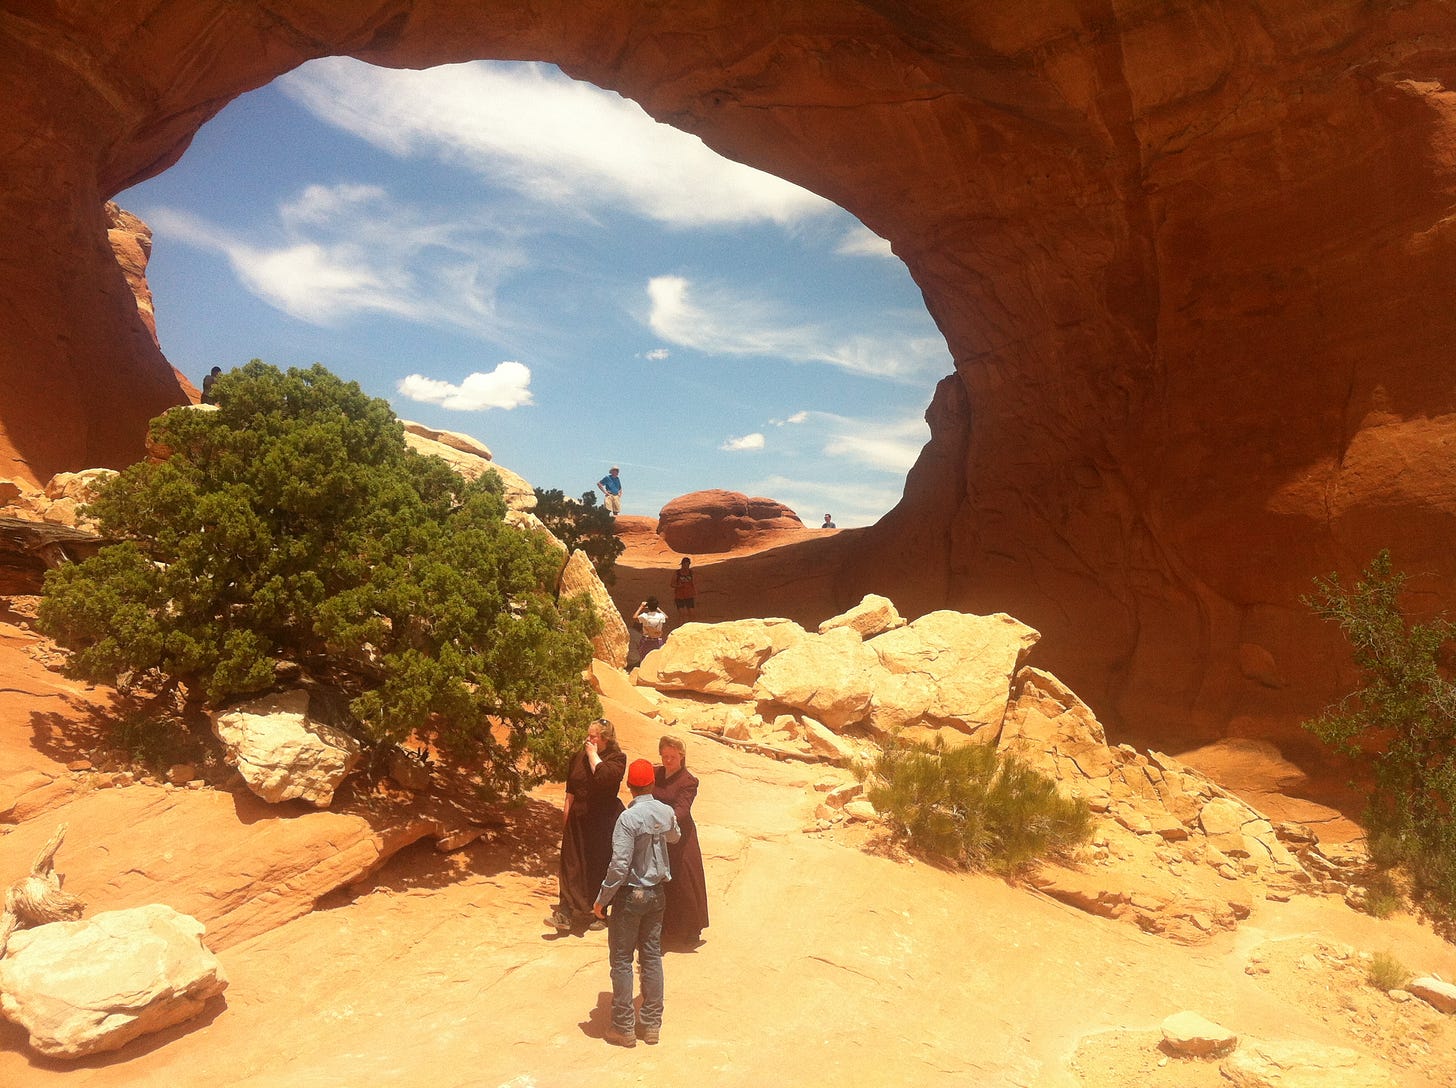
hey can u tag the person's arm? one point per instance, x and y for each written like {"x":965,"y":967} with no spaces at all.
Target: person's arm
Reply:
{"x":676,"y":832}
{"x":622,"y":842}
{"x":566,"y":809}
{"x":683,"y":798}
{"x":607,"y":775}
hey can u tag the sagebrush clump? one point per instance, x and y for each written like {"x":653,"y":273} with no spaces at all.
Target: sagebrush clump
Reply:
{"x":293,"y":533}
{"x":974,"y":807}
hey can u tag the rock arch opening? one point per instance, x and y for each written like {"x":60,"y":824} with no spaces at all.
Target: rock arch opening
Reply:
{"x":500,"y":250}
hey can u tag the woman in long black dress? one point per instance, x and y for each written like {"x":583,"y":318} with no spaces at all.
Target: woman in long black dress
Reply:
{"x":592,"y":808}
{"x":686,"y":915}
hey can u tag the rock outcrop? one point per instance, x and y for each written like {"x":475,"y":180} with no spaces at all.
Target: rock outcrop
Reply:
{"x":282,"y":753}
{"x":86,"y":987}
{"x":705,"y":522}
{"x":1189,"y":259}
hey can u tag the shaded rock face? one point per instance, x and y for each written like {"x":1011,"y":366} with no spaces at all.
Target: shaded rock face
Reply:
{"x":705,"y":522}
{"x":1189,"y":260}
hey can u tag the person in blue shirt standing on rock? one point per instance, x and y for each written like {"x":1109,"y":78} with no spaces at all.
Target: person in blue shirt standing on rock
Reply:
{"x":636,"y":887}
{"x":610,"y":485}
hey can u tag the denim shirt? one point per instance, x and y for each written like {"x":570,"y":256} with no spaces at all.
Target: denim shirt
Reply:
{"x":639,"y":847}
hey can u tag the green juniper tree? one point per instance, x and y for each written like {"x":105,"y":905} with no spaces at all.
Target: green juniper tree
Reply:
{"x":583,"y":525}
{"x":1403,"y":721}
{"x":293,"y":528}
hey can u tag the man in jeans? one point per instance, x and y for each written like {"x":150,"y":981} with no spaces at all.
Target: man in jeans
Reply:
{"x":636,"y":886}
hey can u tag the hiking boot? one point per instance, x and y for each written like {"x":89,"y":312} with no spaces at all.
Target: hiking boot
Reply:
{"x":597,"y":925}
{"x":650,"y":1036}
{"x":616,"y":1038}
{"x":558,"y":921}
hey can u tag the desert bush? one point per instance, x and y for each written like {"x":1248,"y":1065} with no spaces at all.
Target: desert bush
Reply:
{"x":293,"y":532}
{"x":974,"y":807}
{"x":582,"y":525}
{"x":1403,"y":722}
{"x":1387,"y":973}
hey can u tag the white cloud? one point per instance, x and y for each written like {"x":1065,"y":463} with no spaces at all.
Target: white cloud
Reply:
{"x":507,"y":386}
{"x":323,"y":268}
{"x":746,"y":442}
{"x":862,"y":242}
{"x":657,"y":354}
{"x":533,"y":129}
{"x":853,"y":503}
{"x":720,"y":321}
{"x":797,"y":417}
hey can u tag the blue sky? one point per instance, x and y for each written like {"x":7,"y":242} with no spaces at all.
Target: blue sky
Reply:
{"x":499,"y":250}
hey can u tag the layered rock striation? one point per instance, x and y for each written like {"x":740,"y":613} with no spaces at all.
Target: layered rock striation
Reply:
{"x":1189,"y":259}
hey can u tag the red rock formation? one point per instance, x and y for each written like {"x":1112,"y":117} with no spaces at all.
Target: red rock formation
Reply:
{"x":705,"y":522}
{"x":1190,"y":260}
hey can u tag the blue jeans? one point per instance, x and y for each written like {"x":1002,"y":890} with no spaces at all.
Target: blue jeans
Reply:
{"x":635,"y":925}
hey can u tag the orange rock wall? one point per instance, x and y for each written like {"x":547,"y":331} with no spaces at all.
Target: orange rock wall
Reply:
{"x":1192,"y":260}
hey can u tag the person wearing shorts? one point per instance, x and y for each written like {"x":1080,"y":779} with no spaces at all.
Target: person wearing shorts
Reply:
{"x":610,"y":485}
{"x":652,"y":621}
{"x":684,"y":594}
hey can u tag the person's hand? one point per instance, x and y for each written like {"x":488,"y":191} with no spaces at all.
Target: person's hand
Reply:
{"x":591,"y":746}
{"x":599,"y":911}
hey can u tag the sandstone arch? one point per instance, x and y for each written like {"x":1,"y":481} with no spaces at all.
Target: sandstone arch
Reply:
{"x":1192,"y":261}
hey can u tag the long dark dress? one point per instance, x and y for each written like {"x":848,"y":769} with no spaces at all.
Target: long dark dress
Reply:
{"x":586,"y":841}
{"x":687,"y":891}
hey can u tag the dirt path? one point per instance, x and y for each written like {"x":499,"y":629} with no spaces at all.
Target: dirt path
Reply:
{"x":824,"y":965}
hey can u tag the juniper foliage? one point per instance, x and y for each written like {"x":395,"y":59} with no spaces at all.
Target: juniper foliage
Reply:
{"x":293,"y":529}
{"x":1403,"y":721}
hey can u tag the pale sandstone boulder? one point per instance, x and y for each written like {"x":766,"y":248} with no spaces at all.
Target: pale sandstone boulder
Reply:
{"x":579,"y":576}
{"x":1437,"y":993}
{"x":1051,"y":730}
{"x":86,"y":987}
{"x":454,"y":439}
{"x":949,"y":668}
{"x":1193,"y":1035}
{"x":1303,"y":1065}
{"x":528,"y":522}
{"x":283,"y":754}
{"x":874,"y":615}
{"x":718,"y":658}
{"x":825,"y":742}
{"x":830,"y":677}
{"x":80,"y":486}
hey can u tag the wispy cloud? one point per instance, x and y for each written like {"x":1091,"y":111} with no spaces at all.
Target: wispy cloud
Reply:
{"x":657,"y":354}
{"x":886,"y":445}
{"x":530,"y":128}
{"x":507,"y":386}
{"x":862,"y":242}
{"x":852,"y":504}
{"x":746,"y":442}
{"x":718,"y":320}
{"x":797,"y":417}
{"x":320,"y":267}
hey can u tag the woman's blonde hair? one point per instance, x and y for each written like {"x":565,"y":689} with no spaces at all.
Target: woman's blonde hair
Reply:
{"x":608,"y":731}
{"x":670,"y":741}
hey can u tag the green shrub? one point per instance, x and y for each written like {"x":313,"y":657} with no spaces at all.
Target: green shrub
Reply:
{"x":1387,"y":973}
{"x":583,"y":525}
{"x":975,"y":808}
{"x":293,"y":531}
{"x":1403,"y":722}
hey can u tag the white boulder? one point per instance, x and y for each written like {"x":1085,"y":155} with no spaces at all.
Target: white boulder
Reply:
{"x":282,"y":753}
{"x":86,"y":987}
